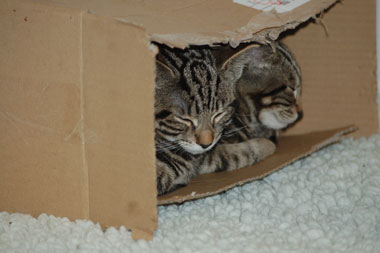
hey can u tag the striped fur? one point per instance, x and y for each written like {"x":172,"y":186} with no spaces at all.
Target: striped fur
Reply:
{"x":268,"y":92}
{"x":202,"y":111}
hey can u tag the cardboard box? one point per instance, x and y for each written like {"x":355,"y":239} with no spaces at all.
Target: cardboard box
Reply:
{"x":77,"y":91}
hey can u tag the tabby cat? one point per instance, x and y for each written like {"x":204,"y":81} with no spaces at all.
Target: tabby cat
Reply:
{"x":214,"y":117}
{"x":268,"y":93}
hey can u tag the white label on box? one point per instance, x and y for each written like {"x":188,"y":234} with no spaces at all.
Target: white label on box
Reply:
{"x":267,"y":5}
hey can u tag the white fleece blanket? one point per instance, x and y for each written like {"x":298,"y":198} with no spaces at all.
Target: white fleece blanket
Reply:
{"x":327,"y":202}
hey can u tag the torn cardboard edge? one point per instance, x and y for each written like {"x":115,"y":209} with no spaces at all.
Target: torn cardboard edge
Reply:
{"x":286,"y":153}
{"x":258,"y":26}
{"x":251,"y":32}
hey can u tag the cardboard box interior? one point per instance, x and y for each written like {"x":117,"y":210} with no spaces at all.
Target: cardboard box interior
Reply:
{"x":77,"y":86}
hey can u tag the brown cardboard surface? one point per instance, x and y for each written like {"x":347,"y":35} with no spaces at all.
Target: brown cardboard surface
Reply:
{"x":77,"y":138}
{"x":339,"y":70}
{"x":118,"y":114}
{"x":198,"y":22}
{"x":41,"y":163}
{"x":289,"y":149}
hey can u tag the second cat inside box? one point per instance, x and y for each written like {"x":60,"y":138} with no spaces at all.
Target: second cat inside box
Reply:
{"x":219,"y":111}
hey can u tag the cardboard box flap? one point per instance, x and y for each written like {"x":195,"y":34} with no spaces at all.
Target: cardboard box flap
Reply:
{"x":68,"y":89}
{"x":286,"y":153}
{"x":197,"y":22}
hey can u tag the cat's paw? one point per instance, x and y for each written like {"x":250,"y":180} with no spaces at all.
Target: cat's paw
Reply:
{"x":164,"y":178}
{"x":262,"y":147}
{"x":278,"y":117}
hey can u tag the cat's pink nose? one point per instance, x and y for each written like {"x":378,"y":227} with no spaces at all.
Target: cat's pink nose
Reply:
{"x":205,"y":138}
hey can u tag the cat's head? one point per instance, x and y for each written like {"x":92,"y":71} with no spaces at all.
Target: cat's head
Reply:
{"x":193,"y":102}
{"x":280,"y":108}
{"x":273,"y":78}
{"x":281,"y":102}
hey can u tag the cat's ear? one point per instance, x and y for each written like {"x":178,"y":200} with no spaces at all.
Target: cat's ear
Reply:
{"x":164,"y":70}
{"x":232,"y":68}
{"x":164,"y":75}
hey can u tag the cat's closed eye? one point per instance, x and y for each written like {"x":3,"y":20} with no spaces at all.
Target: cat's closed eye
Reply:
{"x":217,"y":117}
{"x":187,"y":121}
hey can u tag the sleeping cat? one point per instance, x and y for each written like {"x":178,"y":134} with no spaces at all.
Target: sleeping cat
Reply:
{"x":268,"y":93}
{"x":211,"y":117}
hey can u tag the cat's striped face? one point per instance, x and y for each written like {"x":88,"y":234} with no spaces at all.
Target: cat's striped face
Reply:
{"x":199,"y":106}
{"x":281,"y":99}
{"x":280,"y":108}
{"x":195,"y":133}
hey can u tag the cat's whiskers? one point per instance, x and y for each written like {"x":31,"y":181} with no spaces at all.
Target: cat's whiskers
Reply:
{"x":234,"y":130}
{"x":166,"y":146}
{"x":177,"y":150}
{"x":244,"y":115}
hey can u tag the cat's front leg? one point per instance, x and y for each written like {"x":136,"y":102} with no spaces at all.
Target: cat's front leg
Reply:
{"x":168,"y":179}
{"x":165,"y":177}
{"x":237,"y":155}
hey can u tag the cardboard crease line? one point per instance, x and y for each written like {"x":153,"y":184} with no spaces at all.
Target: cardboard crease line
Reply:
{"x":85,"y":185}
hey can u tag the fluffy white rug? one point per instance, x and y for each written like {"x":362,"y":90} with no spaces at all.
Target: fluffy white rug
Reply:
{"x":327,"y":202}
